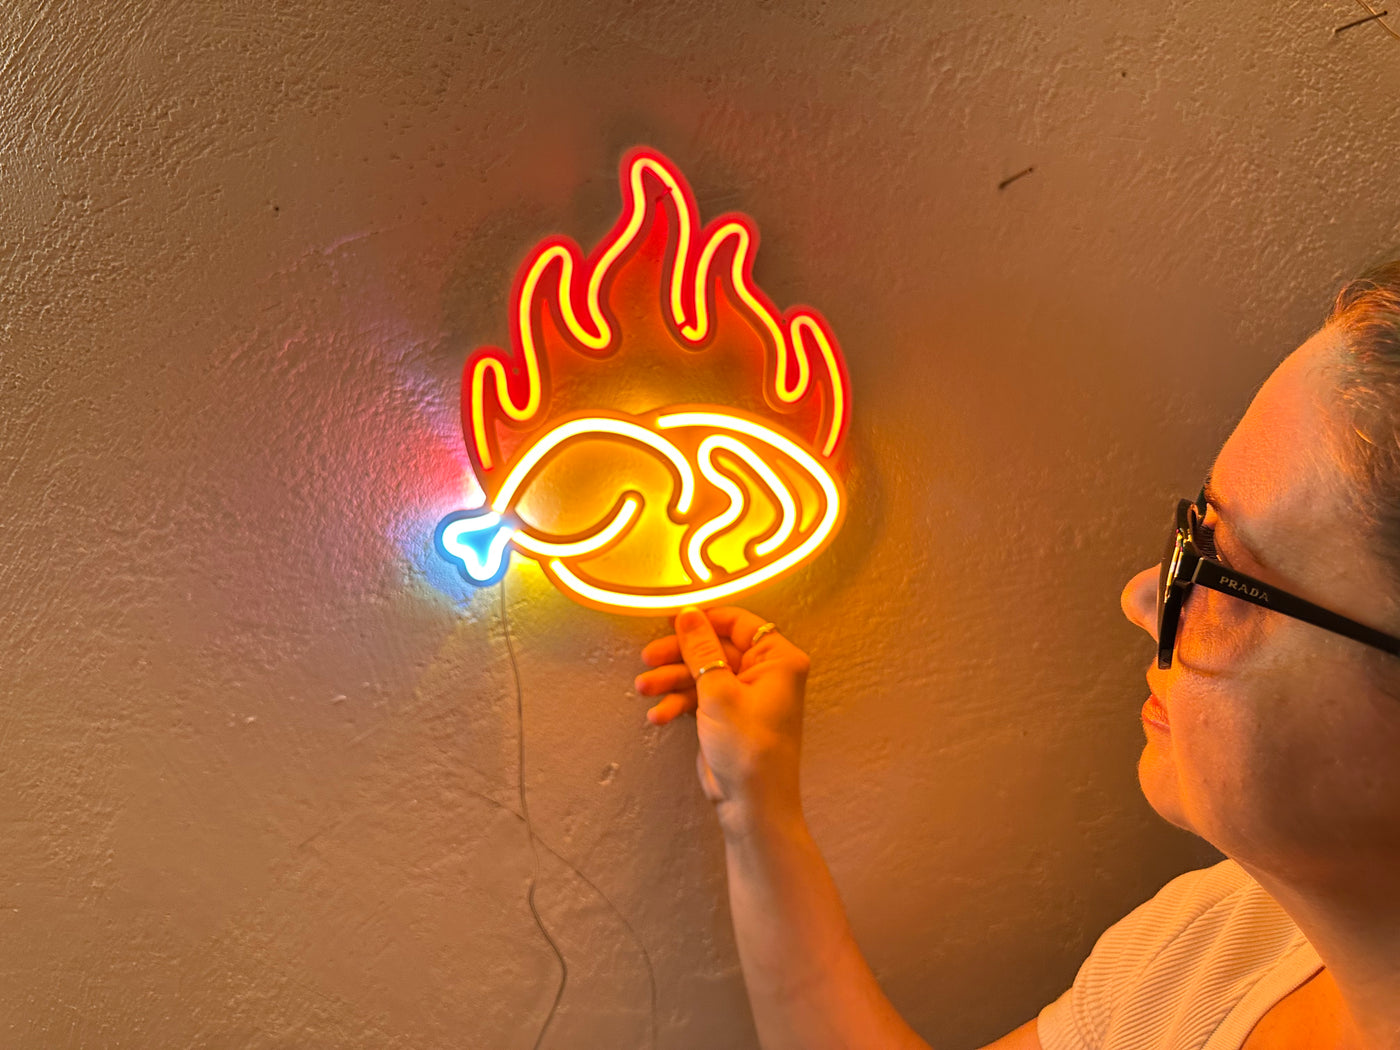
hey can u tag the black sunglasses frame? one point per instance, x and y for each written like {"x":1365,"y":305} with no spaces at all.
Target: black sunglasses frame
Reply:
{"x":1184,"y":565}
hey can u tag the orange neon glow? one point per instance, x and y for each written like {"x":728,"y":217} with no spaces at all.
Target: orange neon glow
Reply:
{"x":651,"y":507}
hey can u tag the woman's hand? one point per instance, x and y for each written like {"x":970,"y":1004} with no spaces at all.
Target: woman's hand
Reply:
{"x":748,"y":714}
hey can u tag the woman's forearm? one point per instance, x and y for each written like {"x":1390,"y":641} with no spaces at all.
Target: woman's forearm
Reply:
{"x":809,"y":986}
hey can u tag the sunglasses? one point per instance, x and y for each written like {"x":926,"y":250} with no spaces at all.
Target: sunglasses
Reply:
{"x":1191,"y":559}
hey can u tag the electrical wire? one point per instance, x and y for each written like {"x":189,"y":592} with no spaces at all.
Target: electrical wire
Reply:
{"x":529,"y":827}
{"x":535,"y":858}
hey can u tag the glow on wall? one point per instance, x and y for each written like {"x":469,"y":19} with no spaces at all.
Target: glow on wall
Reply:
{"x":659,"y":434}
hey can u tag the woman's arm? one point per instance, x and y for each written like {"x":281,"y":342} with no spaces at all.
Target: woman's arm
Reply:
{"x":809,"y":986}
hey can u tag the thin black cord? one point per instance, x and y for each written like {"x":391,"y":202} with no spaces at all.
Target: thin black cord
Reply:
{"x":530,"y":828}
{"x":646,"y":957}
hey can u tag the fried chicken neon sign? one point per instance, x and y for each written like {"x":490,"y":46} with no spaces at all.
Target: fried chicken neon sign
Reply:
{"x":617,"y":442}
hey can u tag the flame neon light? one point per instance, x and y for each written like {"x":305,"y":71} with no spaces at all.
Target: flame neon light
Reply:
{"x":690,"y":276}
{"x":773,"y":486}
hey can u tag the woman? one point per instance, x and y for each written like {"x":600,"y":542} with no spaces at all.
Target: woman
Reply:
{"x":1273,"y":731}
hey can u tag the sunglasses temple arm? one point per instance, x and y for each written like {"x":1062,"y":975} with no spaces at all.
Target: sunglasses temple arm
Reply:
{"x":1257,"y":592}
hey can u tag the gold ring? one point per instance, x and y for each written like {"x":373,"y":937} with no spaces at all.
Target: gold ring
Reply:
{"x":761,"y":632}
{"x":700,"y":672}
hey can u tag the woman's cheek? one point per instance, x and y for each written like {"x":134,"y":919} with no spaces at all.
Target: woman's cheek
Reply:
{"x":1215,"y":750}
{"x":1218,"y":633}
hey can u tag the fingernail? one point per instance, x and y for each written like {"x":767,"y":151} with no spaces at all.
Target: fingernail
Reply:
{"x":690,"y":618}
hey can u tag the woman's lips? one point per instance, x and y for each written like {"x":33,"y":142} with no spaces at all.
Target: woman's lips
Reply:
{"x":1154,"y":714}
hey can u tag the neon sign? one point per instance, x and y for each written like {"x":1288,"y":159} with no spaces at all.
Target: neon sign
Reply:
{"x":659,"y":434}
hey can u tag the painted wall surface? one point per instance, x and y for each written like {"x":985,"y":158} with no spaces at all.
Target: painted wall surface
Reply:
{"x":259,"y":746}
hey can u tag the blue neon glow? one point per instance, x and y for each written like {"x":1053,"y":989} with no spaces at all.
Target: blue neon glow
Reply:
{"x":477,"y":541}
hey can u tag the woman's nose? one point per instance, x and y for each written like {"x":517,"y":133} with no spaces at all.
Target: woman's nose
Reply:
{"x":1139,"y":600}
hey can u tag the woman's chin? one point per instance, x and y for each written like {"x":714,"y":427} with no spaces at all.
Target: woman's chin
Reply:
{"x":1158,"y":778}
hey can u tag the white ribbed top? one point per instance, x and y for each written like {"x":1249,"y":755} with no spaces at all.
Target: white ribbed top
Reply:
{"x":1194,"y":968}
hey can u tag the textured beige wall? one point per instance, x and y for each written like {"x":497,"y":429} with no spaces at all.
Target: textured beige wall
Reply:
{"x":258,"y":750}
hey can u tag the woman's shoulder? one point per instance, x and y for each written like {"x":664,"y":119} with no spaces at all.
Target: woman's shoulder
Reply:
{"x":1177,"y":962}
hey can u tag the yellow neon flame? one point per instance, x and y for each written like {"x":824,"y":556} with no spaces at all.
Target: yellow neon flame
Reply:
{"x":588,"y":544}
{"x":710,"y":595}
{"x":595,"y":425}
{"x":634,"y":224}
{"x":838,"y":395}
{"x":701,"y":327}
{"x":494,"y":368}
{"x":799,"y":324}
{"x":599,"y":335}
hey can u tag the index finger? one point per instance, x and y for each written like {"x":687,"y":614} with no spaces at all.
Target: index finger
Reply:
{"x":729,"y":621}
{"x":736,"y":624}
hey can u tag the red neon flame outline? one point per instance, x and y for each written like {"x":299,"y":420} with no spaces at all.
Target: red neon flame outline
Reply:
{"x":791,"y":335}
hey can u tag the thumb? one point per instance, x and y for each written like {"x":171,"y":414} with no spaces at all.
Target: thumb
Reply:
{"x":699,"y":644}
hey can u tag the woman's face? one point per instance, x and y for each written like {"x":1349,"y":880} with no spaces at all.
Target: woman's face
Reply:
{"x":1279,"y":748}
